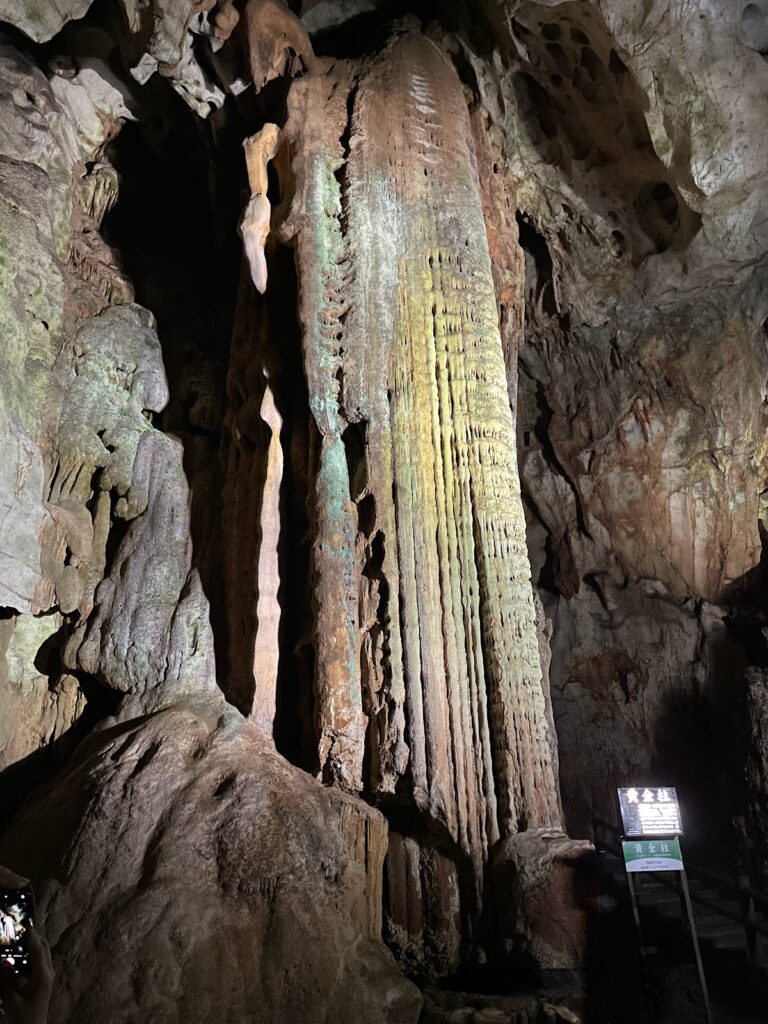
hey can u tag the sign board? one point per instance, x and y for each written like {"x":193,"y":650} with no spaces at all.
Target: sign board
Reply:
{"x":652,"y":855}
{"x":650,"y":811}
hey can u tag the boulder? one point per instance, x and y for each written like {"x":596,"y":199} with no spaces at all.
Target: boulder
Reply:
{"x":541,"y":918}
{"x":189,"y":874}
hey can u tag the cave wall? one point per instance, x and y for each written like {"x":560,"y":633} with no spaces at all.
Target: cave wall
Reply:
{"x":641,"y":428}
{"x":55,"y":270}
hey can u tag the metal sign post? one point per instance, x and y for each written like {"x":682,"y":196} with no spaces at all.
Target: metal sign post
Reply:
{"x":655,"y":812}
{"x":641,"y":945}
{"x":695,"y":941}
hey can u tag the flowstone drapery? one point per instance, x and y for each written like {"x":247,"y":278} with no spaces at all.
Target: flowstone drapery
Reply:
{"x":428,"y":683}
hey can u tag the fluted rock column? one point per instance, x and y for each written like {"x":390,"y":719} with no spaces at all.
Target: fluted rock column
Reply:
{"x":422,"y":575}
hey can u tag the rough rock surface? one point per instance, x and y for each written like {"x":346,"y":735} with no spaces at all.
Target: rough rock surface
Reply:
{"x":422,"y":907}
{"x":757,"y":773}
{"x":56,"y":189}
{"x":441,"y":1007}
{"x":632,"y":136}
{"x":278,"y":44}
{"x":543,"y":921}
{"x":36,"y":709}
{"x":52,"y":206}
{"x":97,"y":534}
{"x":84,"y":373}
{"x":647,"y":532}
{"x":187,"y":42}
{"x":41,"y":21}
{"x":193,"y":871}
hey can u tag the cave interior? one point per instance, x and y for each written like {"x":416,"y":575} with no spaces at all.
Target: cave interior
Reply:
{"x":384,"y":481}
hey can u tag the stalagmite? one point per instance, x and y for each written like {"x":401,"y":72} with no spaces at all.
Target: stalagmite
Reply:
{"x":266,"y":655}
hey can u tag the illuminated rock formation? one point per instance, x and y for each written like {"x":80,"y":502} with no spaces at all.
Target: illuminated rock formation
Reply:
{"x":268,"y":636}
{"x":421,"y":571}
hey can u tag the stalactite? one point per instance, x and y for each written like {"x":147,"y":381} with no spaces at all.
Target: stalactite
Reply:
{"x":259,"y":150}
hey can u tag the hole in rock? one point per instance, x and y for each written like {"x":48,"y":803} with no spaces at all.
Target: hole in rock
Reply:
{"x":666,"y":202}
{"x":366,"y":515}
{"x":538,"y":113}
{"x":274,"y":190}
{"x":592,"y":63}
{"x":225,"y":786}
{"x":658,"y":213}
{"x":357,"y":467}
{"x":539,"y":282}
{"x":754,"y":27}
{"x":596,"y":133}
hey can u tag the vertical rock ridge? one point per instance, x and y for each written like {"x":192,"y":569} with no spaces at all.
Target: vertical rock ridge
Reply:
{"x":323,"y":275}
{"x":266,"y":654}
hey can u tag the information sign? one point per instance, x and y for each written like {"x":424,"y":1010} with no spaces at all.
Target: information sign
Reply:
{"x":652,"y":855}
{"x":650,"y":811}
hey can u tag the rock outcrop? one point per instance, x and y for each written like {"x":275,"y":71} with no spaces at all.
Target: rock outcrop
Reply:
{"x":641,"y":427}
{"x":194,"y":872}
{"x":56,"y":189}
{"x":539,"y":876}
